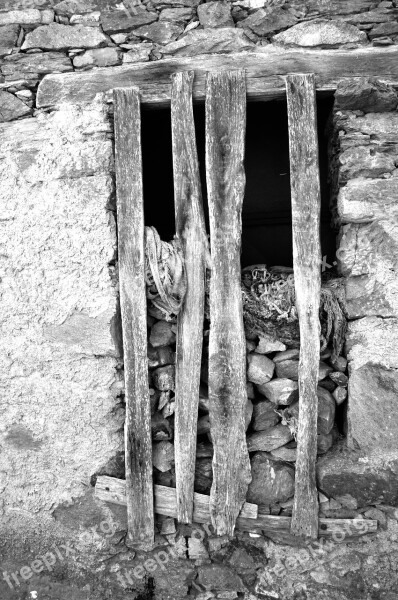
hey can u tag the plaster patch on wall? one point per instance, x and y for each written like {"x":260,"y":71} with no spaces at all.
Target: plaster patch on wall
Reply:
{"x":57,"y":353}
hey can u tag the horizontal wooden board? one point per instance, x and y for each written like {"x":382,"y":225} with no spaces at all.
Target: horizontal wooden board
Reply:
{"x":112,"y":490}
{"x":337,"y":529}
{"x":265,"y":69}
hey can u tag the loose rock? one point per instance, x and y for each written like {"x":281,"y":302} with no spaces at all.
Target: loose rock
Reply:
{"x":324,"y":442}
{"x":266,"y":344}
{"x":294,"y":353}
{"x":171,"y":3}
{"x":288,"y":369}
{"x":138,"y":53}
{"x":30,"y":66}
{"x":101,"y":57}
{"x":269,"y":439}
{"x":163,"y":456}
{"x":209,"y":41}
{"x":164,"y":378}
{"x":162,"y":32}
{"x":90,"y":20}
{"x":160,"y":428}
{"x":326,"y":411}
{"x":264,"y":416}
{"x":280,"y":391}
{"x":162,"y":334}
{"x":384,"y":29}
{"x":62,"y":37}
{"x":286,"y":454}
{"x":215,"y":14}
{"x":321,"y":33}
{"x":339,"y":363}
{"x":30,"y":17}
{"x":340,"y":394}
{"x":260,"y":368}
{"x":176,"y":14}
{"x":327,"y":384}
{"x":74,"y":7}
{"x":339,"y":378}
{"x":272,"y":481}
{"x":12,"y":108}
{"x":160,"y":356}
{"x":9,"y":36}
{"x":119,"y":21}
{"x":264,"y":22}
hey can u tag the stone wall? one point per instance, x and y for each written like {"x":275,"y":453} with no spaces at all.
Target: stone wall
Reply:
{"x":38,"y":37}
{"x":366,"y":176}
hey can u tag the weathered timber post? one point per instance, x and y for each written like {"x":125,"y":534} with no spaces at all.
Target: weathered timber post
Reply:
{"x":306,"y":204}
{"x":225,"y":146}
{"x":130,"y":212}
{"x":191,"y":232}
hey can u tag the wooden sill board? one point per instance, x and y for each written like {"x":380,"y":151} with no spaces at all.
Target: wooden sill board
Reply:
{"x":112,"y":490}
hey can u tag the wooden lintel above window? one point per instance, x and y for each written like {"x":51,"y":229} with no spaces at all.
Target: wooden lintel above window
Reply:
{"x":265,"y":69}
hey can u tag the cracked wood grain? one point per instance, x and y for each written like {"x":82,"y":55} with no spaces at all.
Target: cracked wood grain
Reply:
{"x":306,"y":208}
{"x":265,"y":71}
{"x":130,"y":213}
{"x":225,"y":145}
{"x":191,"y":233}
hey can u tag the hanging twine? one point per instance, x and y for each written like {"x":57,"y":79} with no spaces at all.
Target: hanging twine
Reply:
{"x":165,"y":275}
{"x":268,"y":295}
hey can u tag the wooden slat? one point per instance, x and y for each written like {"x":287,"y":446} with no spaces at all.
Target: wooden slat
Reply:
{"x":113,"y":491}
{"x":133,"y":307}
{"x":306,"y":207}
{"x":110,"y":489}
{"x":326,"y":527}
{"x":225,"y":143}
{"x":265,"y":70}
{"x":191,"y":232}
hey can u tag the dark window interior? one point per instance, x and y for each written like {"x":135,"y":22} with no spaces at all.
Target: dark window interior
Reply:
{"x":267,"y":230}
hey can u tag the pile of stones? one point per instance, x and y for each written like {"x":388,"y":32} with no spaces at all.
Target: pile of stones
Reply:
{"x":272,"y":412}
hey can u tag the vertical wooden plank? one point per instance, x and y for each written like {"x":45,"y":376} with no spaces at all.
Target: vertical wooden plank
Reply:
{"x":130,"y":213}
{"x":191,"y":232}
{"x":306,"y":206}
{"x":225,"y":144}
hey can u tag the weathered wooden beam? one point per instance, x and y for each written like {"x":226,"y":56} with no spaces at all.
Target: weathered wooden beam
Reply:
{"x":306,"y":209}
{"x":110,"y":489}
{"x":339,"y":529}
{"x":191,"y":233}
{"x":265,"y":70}
{"x":131,"y":259}
{"x":113,"y":491}
{"x":225,"y":147}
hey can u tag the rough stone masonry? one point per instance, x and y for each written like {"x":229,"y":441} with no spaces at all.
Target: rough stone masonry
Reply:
{"x":62,"y":384}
